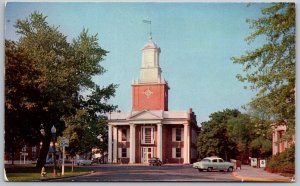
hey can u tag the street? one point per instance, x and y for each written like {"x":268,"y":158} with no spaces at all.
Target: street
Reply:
{"x":165,"y":173}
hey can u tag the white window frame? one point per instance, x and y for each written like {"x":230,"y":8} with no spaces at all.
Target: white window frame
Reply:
{"x":143,"y":135}
{"x":174,"y":152}
{"x":120,"y":152}
{"x":174,"y":134}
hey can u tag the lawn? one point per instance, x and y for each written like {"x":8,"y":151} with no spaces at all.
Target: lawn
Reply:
{"x":31,"y":173}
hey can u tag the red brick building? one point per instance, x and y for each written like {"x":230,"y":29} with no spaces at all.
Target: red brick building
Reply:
{"x":25,"y":155}
{"x":278,"y":144}
{"x":150,"y":129}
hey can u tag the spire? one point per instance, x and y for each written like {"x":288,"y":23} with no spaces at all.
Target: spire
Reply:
{"x":150,"y":35}
{"x":150,"y":32}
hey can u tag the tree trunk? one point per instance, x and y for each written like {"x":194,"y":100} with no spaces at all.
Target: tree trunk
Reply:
{"x":226,"y":157}
{"x":43,"y":152}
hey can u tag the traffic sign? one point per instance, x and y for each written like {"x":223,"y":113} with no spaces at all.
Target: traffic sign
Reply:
{"x":64,"y":142}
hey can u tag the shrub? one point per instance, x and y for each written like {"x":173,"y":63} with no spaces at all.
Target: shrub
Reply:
{"x":283,"y":162}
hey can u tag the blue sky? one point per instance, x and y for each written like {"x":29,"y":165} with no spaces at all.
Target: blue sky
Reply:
{"x":197,"y":41}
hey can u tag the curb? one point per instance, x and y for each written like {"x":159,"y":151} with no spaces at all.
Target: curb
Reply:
{"x":245,"y":178}
{"x":63,"y":177}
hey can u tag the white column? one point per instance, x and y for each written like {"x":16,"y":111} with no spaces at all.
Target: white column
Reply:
{"x":109,"y":144}
{"x":115,"y":144}
{"x":186,"y":159}
{"x":159,"y":141}
{"x":132,"y":143}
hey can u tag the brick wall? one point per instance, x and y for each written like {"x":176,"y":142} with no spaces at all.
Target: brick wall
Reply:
{"x":158,"y":100}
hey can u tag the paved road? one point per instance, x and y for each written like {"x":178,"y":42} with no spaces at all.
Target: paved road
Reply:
{"x":136,"y":173}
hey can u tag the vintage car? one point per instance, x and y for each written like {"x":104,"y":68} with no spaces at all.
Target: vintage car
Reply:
{"x":213,"y":163}
{"x":154,"y":161}
{"x":84,"y":162}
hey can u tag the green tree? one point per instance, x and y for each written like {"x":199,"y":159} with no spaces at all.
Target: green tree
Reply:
{"x":214,"y":138}
{"x":270,"y":68}
{"x":62,"y":71}
{"x":261,"y":137}
{"x":20,"y":98}
{"x":89,"y":123}
{"x":238,"y":129}
{"x":251,"y":134}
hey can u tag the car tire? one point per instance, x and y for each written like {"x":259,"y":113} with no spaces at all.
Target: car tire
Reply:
{"x":200,"y":170}
{"x":230,"y":169}
{"x":209,"y":169}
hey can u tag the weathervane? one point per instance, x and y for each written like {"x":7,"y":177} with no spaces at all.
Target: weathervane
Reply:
{"x":148,"y":22}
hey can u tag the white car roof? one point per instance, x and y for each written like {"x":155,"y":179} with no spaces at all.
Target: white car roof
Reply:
{"x":213,"y":157}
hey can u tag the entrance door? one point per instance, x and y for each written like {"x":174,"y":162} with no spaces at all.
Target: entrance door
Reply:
{"x":147,"y":153}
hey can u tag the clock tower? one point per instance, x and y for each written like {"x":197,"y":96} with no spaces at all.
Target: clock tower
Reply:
{"x":150,"y":91}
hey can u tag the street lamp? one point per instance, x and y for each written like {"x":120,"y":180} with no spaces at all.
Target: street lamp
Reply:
{"x":53,"y":132}
{"x":42,"y":130}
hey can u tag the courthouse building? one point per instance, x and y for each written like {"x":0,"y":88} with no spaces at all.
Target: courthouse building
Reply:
{"x":150,"y":129}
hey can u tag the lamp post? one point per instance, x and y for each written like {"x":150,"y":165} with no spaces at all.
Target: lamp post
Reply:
{"x":53,"y":132}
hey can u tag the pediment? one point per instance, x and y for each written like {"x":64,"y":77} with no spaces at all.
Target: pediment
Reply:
{"x":146,"y":115}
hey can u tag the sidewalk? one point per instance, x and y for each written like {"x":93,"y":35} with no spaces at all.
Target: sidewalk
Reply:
{"x":248,"y":173}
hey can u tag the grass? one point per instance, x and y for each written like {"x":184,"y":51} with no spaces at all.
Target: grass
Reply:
{"x":31,"y":173}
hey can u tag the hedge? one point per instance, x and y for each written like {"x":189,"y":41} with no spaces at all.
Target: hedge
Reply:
{"x":282,"y":162}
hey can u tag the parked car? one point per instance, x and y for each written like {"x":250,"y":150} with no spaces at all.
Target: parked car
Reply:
{"x":213,"y":163}
{"x":154,"y":161}
{"x":84,"y":162}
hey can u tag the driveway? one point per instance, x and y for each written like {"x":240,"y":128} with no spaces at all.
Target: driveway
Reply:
{"x":138,"y":173}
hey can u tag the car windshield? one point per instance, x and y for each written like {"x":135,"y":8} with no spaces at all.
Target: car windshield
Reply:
{"x":205,"y":160}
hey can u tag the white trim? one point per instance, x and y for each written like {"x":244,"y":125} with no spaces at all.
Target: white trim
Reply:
{"x":142,"y":153}
{"x":119,"y":152}
{"x":173,"y":152}
{"x":173,"y":134}
{"x":143,"y":135}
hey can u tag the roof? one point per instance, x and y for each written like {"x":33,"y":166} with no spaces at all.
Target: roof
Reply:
{"x":157,"y":114}
{"x":150,"y":44}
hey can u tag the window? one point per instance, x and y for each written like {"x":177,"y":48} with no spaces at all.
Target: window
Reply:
{"x":215,"y":160}
{"x":148,"y":135}
{"x":124,"y":134}
{"x":178,"y":134}
{"x":124,"y":152}
{"x":178,"y":152}
{"x":221,"y":160}
{"x":205,"y":160}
